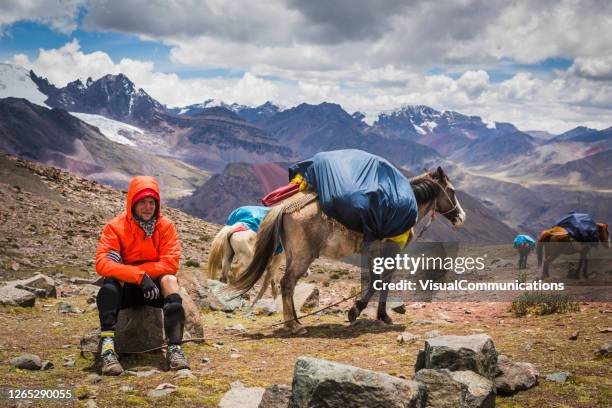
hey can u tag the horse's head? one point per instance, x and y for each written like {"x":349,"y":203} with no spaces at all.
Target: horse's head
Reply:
{"x":446,"y":201}
{"x":604,"y":235}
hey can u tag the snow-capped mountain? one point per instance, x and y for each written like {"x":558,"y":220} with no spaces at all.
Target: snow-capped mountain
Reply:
{"x":16,"y":82}
{"x":114,"y":130}
{"x":252,"y":114}
{"x":445,"y":131}
{"x":112,"y":96}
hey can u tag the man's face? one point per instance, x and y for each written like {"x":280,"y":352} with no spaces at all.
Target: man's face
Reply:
{"x":145,"y":208}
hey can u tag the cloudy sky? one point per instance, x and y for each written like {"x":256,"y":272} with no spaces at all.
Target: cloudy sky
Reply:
{"x":543,"y":64}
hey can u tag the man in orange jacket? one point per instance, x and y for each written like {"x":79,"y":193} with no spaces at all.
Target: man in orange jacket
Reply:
{"x":138,"y":254}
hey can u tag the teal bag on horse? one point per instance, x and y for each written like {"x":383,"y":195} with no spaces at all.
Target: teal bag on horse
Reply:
{"x":250,"y":216}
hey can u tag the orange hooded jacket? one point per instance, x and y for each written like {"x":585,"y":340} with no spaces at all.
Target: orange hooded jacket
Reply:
{"x":156,"y":255}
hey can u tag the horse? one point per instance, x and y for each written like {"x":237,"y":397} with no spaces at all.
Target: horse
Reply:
{"x":307,"y":233}
{"x":556,"y":241}
{"x":232,"y":242}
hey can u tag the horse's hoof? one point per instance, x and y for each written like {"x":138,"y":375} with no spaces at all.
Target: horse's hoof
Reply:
{"x":353,"y":314}
{"x":385,"y":319}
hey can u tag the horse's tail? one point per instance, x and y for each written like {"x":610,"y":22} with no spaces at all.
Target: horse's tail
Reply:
{"x":220,"y":249}
{"x":265,"y":245}
{"x":541,"y":245}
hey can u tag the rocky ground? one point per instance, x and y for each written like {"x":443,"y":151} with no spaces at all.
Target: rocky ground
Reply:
{"x":50,"y":222}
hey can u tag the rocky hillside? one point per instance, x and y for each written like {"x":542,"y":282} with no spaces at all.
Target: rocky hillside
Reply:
{"x":50,"y":220}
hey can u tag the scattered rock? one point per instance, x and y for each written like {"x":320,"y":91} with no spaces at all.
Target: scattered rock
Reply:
{"x":162,"y":390}
{"x":184,"y":373}
{"x":432,"y":333}
{"x":46,"y":365}
{"x":325,"y":383}
{"x":276,"y":396}
{"x":44,"y":282}
{"x":397,"y":307}
{"x":456,"y":389}
{"x":126,"y":388}
{"x":64,"y":307}
{"x":457,"y":353}
{"x":406,"y":338}
{"x":194,"y":328}
{"x":235,"y":355}
{"x":513,"y":377}
{"x":27,"y":362}
{"x":527,"y":346}
{"x":205,"y":360}
{"x":94,"y":378}
{"x":265,"y":307}
{"x":236,"y":328}
{"x":560,"y":377}
{"x":142,"y":373}
{"x":574,"y":335}
{"x":605,"y":330}
{"x":139,"y":329}
{"x":12,"y":296}
{"x":68,"y":361}
{"x":605,"y":350}
{"x":241,"y":396}
{"x":420,"y":322}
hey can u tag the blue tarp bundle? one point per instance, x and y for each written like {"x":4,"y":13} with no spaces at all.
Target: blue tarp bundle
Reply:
{"x":524,"y":239}
{"x":580,"y":226}
{"x":363,"y":192}
{"x":250,"y":216}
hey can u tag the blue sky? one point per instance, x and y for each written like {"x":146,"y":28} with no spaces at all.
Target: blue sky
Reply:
{"x":535,"y":65}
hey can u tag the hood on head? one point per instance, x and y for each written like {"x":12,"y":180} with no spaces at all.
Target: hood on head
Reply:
{"x":138,"y":184}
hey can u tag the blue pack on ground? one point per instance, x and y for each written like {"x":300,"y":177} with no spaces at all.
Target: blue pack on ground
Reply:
{"x":524,"y":239}
{"x":580,"y":226}
{"x":363,"y":192}
{"x":250,"y":216}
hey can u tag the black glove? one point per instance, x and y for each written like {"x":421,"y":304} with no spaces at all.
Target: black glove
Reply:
{"x":149,"y":289}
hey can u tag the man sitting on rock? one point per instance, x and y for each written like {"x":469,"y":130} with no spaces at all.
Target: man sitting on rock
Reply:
{"x":138,"y":254}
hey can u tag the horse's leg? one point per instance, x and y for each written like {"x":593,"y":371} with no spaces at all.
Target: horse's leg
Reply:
{"x":362,"y":303}
{"x":390,"y":249}
{"x":295,"y":269}
{"x":585,"y":261}
{"x":381,"y":313}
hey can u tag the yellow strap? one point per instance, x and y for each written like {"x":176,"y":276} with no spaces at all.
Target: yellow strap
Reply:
{"x":402,"y":239}
{"x":107,"y":334}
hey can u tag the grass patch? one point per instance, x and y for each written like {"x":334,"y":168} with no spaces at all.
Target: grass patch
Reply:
{"x":541,"y":303}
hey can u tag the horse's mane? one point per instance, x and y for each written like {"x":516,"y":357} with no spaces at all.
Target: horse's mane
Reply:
{"x":423,"y":187}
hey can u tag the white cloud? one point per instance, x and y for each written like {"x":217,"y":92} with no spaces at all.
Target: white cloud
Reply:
{"x":555,"y":103}
{"x":596,"y":68}
{"x":58,"y":14}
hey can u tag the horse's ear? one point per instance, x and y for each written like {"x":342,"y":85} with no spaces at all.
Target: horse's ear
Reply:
{"x":440,"y":173}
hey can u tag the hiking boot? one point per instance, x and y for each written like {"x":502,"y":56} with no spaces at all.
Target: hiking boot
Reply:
{"x":175,"y":358}
{"x":110,"y":363}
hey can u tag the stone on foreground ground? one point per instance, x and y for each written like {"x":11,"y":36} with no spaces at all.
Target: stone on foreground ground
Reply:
{"x":12,"y":296}
{"x":456,"y":389}
{"x":276,"y":396}
{"x":458,"y":353}
{"x":27,"y":362}
{"x":328,"y":384}
{"x":513,"y":377}
{"x":240,"y":396}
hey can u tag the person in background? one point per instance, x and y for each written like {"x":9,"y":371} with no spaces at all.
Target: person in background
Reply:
{"x":138,"y":256}
{"x":524,"y":244}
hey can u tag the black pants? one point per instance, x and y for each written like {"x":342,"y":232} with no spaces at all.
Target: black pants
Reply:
{"x":113,"y":296}
{"x":524,"y":253}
